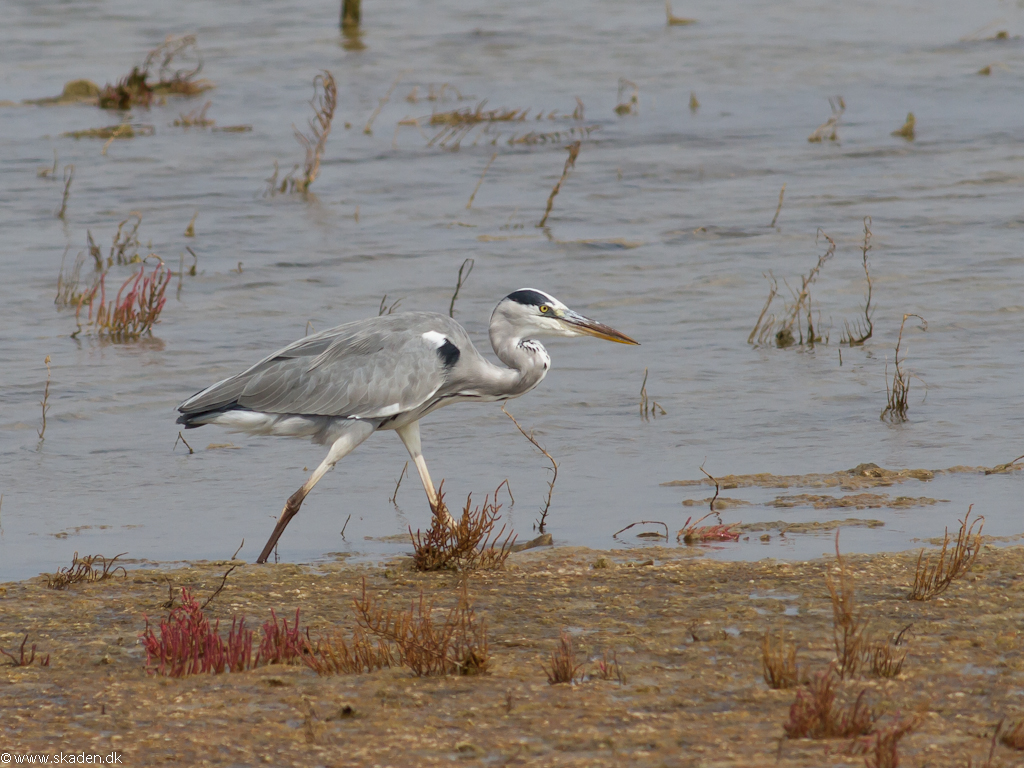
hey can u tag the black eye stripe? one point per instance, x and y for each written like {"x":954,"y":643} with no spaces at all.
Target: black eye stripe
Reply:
{"x":528,"y":297}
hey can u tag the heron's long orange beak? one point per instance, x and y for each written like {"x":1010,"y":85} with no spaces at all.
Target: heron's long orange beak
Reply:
{"x":590,"y":327}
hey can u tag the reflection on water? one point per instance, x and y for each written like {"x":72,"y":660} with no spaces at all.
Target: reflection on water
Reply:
{"x":660,"y":230}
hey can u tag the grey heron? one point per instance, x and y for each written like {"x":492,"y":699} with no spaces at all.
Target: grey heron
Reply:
{"x":341,"y":385}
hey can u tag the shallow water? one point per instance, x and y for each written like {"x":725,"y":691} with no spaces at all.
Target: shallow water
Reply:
{"x":624,"y":244}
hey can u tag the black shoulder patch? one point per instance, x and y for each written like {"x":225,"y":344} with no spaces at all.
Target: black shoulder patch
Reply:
{"x":448,"y":353}
{"x":528,"y":297}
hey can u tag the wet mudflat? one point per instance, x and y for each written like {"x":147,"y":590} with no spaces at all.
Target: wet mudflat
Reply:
{"x":685,"y":630}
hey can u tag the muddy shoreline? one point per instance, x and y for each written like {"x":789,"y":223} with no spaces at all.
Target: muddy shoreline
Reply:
{"x":686,"y":631}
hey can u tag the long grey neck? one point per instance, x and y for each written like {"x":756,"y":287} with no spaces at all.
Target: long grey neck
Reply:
{"x":527,"y":362}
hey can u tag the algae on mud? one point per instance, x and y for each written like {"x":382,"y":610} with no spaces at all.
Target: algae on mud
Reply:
{"x":685,"y":631}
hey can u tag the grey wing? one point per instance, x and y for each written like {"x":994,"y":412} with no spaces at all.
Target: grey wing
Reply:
{"x":370,"y":369}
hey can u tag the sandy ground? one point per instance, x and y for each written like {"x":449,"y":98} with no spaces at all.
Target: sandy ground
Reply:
{"x":686,"y":631}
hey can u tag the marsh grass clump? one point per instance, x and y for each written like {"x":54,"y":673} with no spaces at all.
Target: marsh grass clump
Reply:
{"x":86,"y":570}
{"x":694,"y":533}
{"x":907,"y":130}
{"x":21,"y":660}
{"x":133,"y":312}
{"x":1013,"y":735}
{"x":898,"y":392}
{"x":934,"y":574}
{"x":456,"y":645}
{"x":815,"y":715}
{"x":628,"y":98}
{"x":608,"y":668}
{"x":185,"y":643}
{"x":562,"y":666}
{"x":281,"y":644}
{"x":135,"y":88}
{"x":470,"y":544}
{"x":69,"y":289}
{"x":675,"y":21}
{"x":886,"y":659}
{"x":324,"y":102}
{"x":196,"y":118}
{"x":849,"y":627}
{"x":883,"y":750}
{"x":789,"y":329}
{"x":778,"y":662}
{"x":358,"y":654}
{"x":829,"y":130}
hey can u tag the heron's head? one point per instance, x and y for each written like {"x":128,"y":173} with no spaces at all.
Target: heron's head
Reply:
{"x":534,"y":313}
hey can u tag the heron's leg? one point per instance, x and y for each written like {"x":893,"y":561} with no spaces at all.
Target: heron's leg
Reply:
{"x":410,"y":435}
{"x":341,"y":447}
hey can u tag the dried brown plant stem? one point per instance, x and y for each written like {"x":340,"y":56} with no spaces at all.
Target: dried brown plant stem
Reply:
{"x":368,"y":128}
{"x":562,"y":666}
{"x":1010,"y":466}
{"x":467,"y":267}
{"x":476,"y":189}
{"x":778,"y":662}
{"x":862,"y":332}
{"x":711,"y":504}
{"x":82,"y":570}
{"x":849,"y":627}
{"x":190,"y":230}
{"x":468,"y":546}
{"x":675,"y":21}
{"x":46,"y":398}
{"x":181,"y":437}
{"x":323,"y":105}
{"x":384,"y":309}
{"x":778,"y":208}
{"x":907,"y":131}
{"x":772,"y":292}
{"x":394,"y":495}
{"x":934,"y":575}
{"x":570,"y":163}
{"x":899,"y":391}
{"x":542,"y":522}
{"x":643,"y":522}
{"x":69,"y":176}
{"x":648,"y":408}
{"x":632,"y":105}
{"x":223,"y":581}
{"x":830,"y":128}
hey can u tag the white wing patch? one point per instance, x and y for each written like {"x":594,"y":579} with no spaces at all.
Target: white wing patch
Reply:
{"x":436,"y":339}
{"x":380,"y":413}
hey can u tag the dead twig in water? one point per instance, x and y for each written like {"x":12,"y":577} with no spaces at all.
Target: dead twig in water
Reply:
{"x":190,"y":230}
{"x":570,"y":163}
{"x":345,"y":526}
{"x":829,"y":129}
{"x":394,"y":495}
{"x":896,"y":408}
{"x":45,"y":401}
{"x":319,"y":127}
{"x":481,"y":181}
{"x":934,"y":575}
{"x":631,"y":106}
{"x":458,"y":285}
{"x":711,"y":504}
{"x":781,"y":331}
{"x":385,"y":309}
{"x":223,"y":581}
{"x":181,"y":437}
{"x":649,"y":408}
{"x":542,"y":522}
{"x":645,"y":522}
{"x":999,"y":469}
{"x":860,"y":333}
{"x":69,"y":176}
{"x":778,"y":208}
{"x":238,"y":550}
{"x":368,"y":128}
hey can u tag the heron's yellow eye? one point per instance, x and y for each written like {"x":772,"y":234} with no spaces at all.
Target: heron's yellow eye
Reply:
{"x":544,"y":308}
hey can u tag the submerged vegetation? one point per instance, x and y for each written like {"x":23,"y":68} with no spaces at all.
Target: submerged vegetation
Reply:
{"x":136,"y":88}
{"x":324,"y":102}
